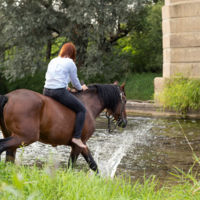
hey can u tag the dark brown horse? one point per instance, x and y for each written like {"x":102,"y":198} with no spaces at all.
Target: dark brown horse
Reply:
{"x":27,"y":117}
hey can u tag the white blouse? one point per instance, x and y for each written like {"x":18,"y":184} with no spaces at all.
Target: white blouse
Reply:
{"x":60,"y":72}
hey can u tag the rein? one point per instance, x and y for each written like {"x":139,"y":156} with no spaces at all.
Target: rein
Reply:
{"x":111,"y":117}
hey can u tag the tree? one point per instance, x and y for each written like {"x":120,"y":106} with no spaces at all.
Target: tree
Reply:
{"x":142,"y":48}
{"x":30,"y":28}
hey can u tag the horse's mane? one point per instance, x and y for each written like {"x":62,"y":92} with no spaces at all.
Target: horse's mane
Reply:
{"x":109,"y":95}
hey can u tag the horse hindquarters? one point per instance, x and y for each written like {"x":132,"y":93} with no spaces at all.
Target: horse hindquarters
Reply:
{"x":21,"y":122}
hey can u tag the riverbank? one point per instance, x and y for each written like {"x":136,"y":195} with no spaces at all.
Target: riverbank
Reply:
{"x":139,"y":85}
{"x":21,"y":182}
{"x":149,"y":107}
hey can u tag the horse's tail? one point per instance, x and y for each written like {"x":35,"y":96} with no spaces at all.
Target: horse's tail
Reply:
{"x":3,"y":101}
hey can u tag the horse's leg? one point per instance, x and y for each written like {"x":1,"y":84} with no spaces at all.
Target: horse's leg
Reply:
{"x":13,"y":142}
{"x":88,"y":157}
{"x":75,"y":151}
{"x":3,"y":145}
{"x":10,"y":155}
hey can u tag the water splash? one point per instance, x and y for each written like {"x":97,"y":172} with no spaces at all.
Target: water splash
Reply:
{"x":109,"y":149}
{"x":119,"y":143}
{"x":114,"y":161}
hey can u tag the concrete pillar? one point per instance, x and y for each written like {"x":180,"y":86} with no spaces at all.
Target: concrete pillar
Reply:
{"x":181,"y":39}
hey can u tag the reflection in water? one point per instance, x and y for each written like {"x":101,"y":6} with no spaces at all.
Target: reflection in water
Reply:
{"x":150,"y":145}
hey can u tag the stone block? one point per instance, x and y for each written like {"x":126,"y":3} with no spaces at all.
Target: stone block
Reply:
{"x":167,"y":2}
{"x":181,"y":25}
{"x":181,"y":40}
{"x":158,"y":84}
{"x":188,"y":69}
{"x":187,"y":9}
{"x":181,"y":55}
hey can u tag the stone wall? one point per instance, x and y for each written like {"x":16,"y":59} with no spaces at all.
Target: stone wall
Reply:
{"x":181,"y":39}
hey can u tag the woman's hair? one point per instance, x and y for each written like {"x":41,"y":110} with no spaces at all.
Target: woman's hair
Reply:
{"x":68,"y":50}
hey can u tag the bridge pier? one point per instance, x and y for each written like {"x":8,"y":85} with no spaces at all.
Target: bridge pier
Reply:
{"x":181,"y":40}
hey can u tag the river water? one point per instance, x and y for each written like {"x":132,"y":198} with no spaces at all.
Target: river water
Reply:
{"x":149,"y":145}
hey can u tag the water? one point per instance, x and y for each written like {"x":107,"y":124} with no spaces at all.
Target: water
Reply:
{"x":111,"y":148}
{"x":149,"y":145}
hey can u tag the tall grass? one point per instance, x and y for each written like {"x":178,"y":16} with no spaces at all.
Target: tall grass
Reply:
{"x":140,"y":86}
{"x":180,"y":94}
{"x":20,"y":182}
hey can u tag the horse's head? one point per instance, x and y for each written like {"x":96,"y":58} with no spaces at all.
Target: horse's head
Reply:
{"x":120,"y":111}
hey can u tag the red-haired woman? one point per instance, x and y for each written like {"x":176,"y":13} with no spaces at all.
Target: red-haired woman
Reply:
{"x":61,"y":70}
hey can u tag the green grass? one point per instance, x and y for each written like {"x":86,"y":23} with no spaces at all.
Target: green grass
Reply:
{"x":20,"y":182}
{"x":140,"y":86}
{"x":180,"y":94}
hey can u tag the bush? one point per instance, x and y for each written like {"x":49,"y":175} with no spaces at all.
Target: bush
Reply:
{"x":3,"y":85}
{"x":180,"y":94}
{"x":35,"y":83}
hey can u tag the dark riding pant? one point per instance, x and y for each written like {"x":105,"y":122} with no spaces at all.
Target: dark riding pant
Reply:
{"x":63,"y":96}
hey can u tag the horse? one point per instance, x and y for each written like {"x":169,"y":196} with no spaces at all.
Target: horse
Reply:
{"x":27,"y":117}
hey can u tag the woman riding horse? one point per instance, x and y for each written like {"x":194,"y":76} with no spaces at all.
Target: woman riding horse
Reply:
{"x":27,"y":116}
{"x":59,"y":73}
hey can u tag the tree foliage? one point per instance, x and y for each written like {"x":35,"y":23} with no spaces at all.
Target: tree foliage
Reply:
{"x":142,"y":48}
{"x":30,"y":30}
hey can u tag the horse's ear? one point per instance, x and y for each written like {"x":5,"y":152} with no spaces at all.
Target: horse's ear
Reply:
{"x":122,"y":87}
{"x":116,"y":83}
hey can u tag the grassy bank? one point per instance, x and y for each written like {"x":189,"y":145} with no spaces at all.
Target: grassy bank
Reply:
{"x":20,"y":182}
{"x":140,"y":86}
{"x":180,"y":93}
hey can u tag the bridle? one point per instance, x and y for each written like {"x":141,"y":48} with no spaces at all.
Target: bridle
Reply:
{"x":111,"y":117}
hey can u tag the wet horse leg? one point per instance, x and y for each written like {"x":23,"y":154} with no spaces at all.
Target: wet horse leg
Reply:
{"x":10,"y":155}
{"x":10,"y":145}
{"x":13,"y":142}
{"x":88,"y":157}
{"x":2,"y":145}
{"x":7,"y":143}
{"x":11,"y":152}
{"x":75,"y":151}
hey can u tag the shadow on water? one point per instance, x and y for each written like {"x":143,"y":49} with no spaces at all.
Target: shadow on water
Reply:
{"x":149,"y":145}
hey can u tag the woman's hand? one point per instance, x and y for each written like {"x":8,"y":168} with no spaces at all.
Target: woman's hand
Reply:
{"x":84,"y":87}
{"x":71,"y":90}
